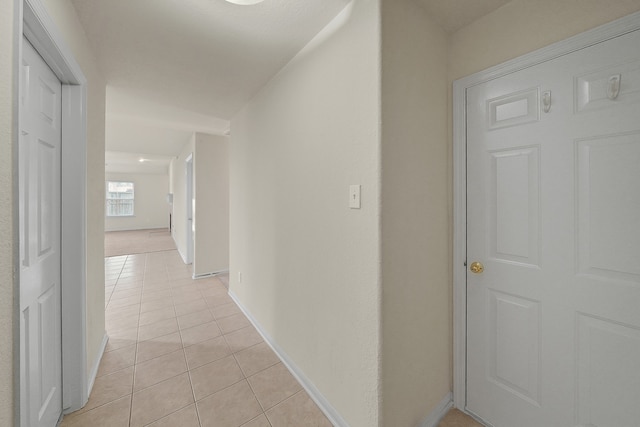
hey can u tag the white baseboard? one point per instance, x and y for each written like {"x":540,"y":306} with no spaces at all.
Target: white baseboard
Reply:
{"x":438,"y":412}
{"x":110,"y":230}
{"x":214,"y":273}
{"x":324,"y":405}
{"x":96,"y":365}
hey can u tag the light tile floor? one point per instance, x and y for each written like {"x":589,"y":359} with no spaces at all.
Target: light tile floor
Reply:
{"x":455,"y":418}
{"x":137,"y":241}
{"x":181,"y":353}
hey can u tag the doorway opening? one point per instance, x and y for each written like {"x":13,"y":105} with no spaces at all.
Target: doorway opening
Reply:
{"x":190,"y":208}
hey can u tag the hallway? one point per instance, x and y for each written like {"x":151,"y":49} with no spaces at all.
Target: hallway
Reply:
{"x":181,"y":353}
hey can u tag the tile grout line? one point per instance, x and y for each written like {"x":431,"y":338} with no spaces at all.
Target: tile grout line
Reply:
{"x":115,"y":284}
{"x":264,"y":412}
{"x":135,"y":359}
{"x":135,"y":356}
{"x":193,"y":393}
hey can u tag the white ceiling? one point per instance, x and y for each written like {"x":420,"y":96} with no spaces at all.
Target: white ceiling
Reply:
{"x":130,"y":162}
{"x":204,"y":56}
{"x":146,"y":129}
{"x":174,"y":67}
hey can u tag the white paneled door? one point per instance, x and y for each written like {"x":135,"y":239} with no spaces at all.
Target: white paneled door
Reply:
{"x":553,"y":211}
{"x":39,"y":194}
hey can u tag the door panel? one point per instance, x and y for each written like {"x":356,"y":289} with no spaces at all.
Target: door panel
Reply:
{"x":608,"y":223}
{"x":46,"y":203}
{"x":514,"y":343}
{"x":40,"y":284}
{"x":608,"y":357}
{"x":514,"y":198}
{"x":553,"y":213}
{"x":591,"y":89}
{"x":513,"y":109}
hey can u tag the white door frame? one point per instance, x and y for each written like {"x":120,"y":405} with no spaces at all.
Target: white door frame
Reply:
{"x":581,"y":41}
{"x":38,"y":27}
{"x":188,"y":169}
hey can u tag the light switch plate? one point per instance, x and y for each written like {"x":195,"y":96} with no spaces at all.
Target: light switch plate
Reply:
{"x":354,"y":196}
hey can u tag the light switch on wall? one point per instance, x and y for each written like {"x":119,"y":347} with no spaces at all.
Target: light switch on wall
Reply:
{"x":354,"y":196}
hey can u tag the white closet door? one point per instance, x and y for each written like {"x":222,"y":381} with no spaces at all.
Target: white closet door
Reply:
{"x":39,"y":194}
{"x":553,"y":320}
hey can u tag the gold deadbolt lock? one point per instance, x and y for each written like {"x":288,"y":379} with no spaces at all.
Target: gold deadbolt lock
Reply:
{"x":476,"y":267}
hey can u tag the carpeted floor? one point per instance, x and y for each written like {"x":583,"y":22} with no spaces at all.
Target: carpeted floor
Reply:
{"x":138,"y":241}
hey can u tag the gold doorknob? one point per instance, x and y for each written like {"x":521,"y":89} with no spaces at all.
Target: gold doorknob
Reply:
{"x":476,"y":267}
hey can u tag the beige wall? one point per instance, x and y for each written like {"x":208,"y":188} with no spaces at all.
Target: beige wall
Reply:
{"x":7,"y":219}
{"x":178,"y":184}
{"x":151,"y":209}
{"x":309,"y":264}
{"x":65,"y":17}
{"x":211,"y":192}
{"x":415,"y":241}
{"x":171,"y":166}
{"x":522,"y":26}
{"x":211,"y":166}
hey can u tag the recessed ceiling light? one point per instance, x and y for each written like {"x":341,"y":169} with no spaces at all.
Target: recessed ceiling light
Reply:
{"x":245,"y":2}
{"x":142,"y":160}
